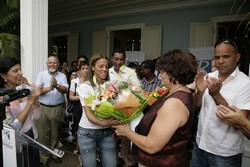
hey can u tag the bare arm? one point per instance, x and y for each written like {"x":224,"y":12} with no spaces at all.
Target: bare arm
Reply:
{"x":72,"y":76}
{"x":235,"y":117}
{"x":61,"y":88}
{"x":158,"y":132}
{"x":31,"y":100}
{"x":72,"y":96}
{"x":197,"y":100}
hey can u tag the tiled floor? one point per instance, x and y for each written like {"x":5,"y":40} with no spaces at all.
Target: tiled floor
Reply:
{"x":68,"y":160}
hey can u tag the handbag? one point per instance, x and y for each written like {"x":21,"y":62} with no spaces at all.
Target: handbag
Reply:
{"x":74,"y":105}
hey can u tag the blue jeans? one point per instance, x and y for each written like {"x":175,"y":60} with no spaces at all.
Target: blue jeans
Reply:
{"x":91,"y":139}
{"x":201,"y":158}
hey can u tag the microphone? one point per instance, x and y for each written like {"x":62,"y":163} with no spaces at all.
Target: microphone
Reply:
{"x":4,"y":91}
{"x":19,"y":92}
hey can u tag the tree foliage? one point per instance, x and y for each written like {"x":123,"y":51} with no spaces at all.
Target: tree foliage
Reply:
{"x":10,"y":28}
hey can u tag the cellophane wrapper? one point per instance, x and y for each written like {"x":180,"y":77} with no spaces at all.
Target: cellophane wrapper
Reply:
{"x":121,"y":100}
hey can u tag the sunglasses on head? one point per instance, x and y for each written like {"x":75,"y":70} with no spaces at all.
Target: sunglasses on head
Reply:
{"x":226,"y":41}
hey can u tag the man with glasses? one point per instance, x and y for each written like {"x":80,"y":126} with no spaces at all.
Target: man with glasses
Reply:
{"x":217,"y":143}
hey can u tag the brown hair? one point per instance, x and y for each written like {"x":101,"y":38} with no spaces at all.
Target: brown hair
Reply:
{"x":179,"y":65}
{"x":93,"y":60}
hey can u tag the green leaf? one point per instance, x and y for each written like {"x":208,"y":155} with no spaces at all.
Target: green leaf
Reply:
{"x":9,"y":45}
{"x":121,"y":68}
{"x":89,"y":99}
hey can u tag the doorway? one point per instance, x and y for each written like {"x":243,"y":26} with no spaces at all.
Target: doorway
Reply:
{"x":129,"y":40}
{"x":127,"y":37}
{"x":64,"y":45}
{"x":60,"y":48}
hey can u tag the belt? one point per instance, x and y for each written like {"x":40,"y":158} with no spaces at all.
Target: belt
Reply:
{"x":51,"y":105}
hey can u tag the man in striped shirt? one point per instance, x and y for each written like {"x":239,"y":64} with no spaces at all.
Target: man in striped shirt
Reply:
{"x":150,"y":81}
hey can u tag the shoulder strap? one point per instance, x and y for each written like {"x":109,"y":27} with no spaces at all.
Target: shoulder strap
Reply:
{"x":75,"y":89}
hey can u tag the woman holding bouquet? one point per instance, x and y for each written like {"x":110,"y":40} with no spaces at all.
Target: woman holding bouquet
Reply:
{"x":94,"y":132}
{"x":161,"y":137}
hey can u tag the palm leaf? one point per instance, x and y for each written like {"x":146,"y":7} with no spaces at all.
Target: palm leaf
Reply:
{"x":9,"y":45}
{"x":13,"y":4}
{"x":7,"y":22}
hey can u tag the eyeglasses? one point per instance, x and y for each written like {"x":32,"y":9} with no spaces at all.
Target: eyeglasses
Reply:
{"x":227,"y":41}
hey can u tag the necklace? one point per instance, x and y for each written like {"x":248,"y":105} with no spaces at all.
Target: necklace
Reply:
{"x":172,"y":91}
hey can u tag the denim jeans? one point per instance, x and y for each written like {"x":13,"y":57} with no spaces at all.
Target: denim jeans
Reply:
{"x":201,"y":158}
{"x":92,"y":139}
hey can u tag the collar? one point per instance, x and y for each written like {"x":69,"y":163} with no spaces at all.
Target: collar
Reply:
{"x":235,"y":72}
{"x":112,"y":70}
{"x":232,"y":75}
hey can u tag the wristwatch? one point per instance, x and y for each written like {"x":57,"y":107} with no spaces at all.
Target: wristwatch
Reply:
{"x":57,"y":85}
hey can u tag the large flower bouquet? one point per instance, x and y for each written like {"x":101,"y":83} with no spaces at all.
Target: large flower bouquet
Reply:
{"x":121,"y":100}
{"x":156,"y":94}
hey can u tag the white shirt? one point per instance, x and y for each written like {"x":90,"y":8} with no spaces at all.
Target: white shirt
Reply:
{"x":127,"y":74}
{"x":213,"y":136}
{"x":85,"y":90}
{"x":75,"y":82}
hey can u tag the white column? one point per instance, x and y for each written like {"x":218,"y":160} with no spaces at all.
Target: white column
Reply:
{"x":34,"y":37}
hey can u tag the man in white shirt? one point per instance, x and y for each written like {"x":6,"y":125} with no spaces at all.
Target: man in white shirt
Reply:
{"x":120,"y":72}
{"x":219,"y":144}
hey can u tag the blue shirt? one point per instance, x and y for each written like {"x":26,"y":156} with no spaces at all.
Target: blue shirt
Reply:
{"x":53,"y":97}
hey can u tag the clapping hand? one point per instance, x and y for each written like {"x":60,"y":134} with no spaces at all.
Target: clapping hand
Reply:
{"x":53,"y":82}
{"x":213,"y":85}
{"x":201,"y":84}
{"x":230,"y":115}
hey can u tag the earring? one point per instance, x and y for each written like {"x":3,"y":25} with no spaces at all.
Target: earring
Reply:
{"x":5,"y":80}
{"x":94,"y":80}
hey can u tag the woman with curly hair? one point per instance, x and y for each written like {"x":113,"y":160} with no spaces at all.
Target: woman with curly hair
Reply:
{"x":162,"y":135}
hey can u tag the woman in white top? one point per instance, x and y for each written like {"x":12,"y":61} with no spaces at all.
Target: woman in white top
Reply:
{"x":95,"y":133}
{"x":74,"y":97}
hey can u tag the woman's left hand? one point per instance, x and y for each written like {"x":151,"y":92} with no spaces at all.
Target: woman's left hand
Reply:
{"x":121,"y":130}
